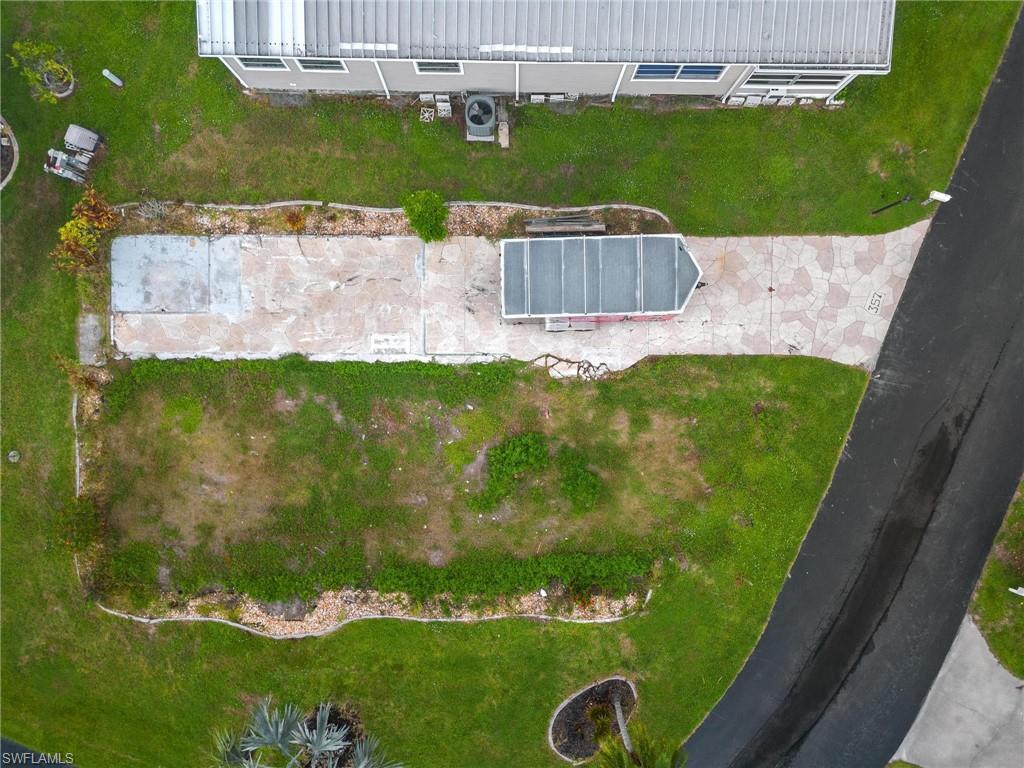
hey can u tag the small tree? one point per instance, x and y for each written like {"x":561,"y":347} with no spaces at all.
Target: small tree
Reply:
{"x":427,"y":214}
{"x":78,"y":250}
{"x":272,"y":731}
{"x":323,"y":739}
{"x":641,"y":752}
{"x":43,"y":69}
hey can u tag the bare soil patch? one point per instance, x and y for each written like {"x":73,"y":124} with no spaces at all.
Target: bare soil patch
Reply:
{"x":215,"y":482}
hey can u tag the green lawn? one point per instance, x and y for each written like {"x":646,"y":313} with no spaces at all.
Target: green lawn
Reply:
{"x":181,"y":129}
{"x":120,"y":694}
{"x":287,"y":477}
{"x":998,"y":612}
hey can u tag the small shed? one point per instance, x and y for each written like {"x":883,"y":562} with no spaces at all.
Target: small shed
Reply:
{"x":609,"y":276}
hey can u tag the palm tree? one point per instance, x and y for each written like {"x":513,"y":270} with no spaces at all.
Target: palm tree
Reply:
{"x":645,"y":752}
{"x":272,"y":729}
{"x":324,"y":739}
{"x":274,"y":732}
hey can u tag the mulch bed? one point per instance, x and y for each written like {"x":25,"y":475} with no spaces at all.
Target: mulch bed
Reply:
{"x":489,"y":221}
{"x":573,"y":730}
{"x":6,"y":160}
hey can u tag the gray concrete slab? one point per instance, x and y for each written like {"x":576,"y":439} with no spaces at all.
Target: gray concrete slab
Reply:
{"x":225,"y":277}
{"x":335,"y":298}
{"x":973,"y":715}
{"x":90,"y":339}
{"x":156,"y":274}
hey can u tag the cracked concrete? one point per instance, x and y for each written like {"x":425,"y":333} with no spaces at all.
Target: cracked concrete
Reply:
{"x":973,"y":716}
{"x":393,"y":298}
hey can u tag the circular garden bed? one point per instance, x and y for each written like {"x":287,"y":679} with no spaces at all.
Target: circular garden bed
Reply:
{"x":583,"y":720}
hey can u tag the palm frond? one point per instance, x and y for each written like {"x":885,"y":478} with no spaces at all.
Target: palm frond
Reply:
{"x":647,"y":753}
{"x":272,"y":728}
{"x":323,"y":738}
{"x":228,"y":748}
{"x":368,"y":753}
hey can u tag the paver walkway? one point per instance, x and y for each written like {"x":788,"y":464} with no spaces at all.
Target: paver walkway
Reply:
{"x":393,"y":299}
{"x":974,"y":713}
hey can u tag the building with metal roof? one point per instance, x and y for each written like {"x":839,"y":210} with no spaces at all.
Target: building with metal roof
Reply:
{"x":620,"y":276}
{"x":530,"y":47}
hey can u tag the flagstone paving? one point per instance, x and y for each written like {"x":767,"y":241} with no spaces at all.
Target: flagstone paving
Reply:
{"x":336,"y":298}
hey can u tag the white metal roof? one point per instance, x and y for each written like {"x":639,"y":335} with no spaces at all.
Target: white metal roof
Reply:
{"x":834,"y":33}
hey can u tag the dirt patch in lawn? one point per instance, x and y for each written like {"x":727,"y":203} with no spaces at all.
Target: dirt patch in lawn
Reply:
{"x":666,"y":459}
{"x":212,"y":483}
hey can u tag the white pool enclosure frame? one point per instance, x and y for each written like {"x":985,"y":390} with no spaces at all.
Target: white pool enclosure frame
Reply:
{"x":609,"y":276}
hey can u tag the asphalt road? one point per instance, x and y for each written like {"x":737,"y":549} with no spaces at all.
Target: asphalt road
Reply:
{"x":883,"y":579}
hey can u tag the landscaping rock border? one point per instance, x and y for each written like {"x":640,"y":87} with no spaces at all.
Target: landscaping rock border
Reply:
{"x":570,"y":732}
{"x":370,"y":208}
{"x":8,"y":131}
{"x":335,"y":609}
{"x":495,"y":220}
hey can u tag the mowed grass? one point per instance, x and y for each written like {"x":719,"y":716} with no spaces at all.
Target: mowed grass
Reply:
{"x":284,"y":478}
{"x":998,"y":612}
{"x":181,"y":129}
{"x":440,"y":695}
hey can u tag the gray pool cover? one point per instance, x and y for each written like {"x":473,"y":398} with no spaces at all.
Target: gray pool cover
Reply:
{"x":613,"y":275}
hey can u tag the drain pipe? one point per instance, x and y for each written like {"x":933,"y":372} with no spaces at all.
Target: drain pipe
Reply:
{"x":615,"y":91}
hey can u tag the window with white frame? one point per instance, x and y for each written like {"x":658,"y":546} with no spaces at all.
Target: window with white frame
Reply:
{"x":322,"y":65}
{"x":438,"y":67}
{"x":252,"y":62}
{"x":784,"y":79}
{"x":678,"y":72}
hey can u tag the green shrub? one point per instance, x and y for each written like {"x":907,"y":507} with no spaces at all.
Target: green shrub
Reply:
{"x":490,"y":575}
{"x":133,"y":569}
{"x":43,"y":68}
{"x":427,"y":214}
{"x":581,"y":486}
{"x":79,"y":524}
{"x":506,"y":463}
{"x":267,"y":570}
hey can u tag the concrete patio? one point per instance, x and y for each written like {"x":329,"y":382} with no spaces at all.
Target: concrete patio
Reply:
{"x":358,"y":298}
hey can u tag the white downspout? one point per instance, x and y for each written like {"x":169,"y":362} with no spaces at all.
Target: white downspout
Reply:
{"x":618,"y":82}
{"x":517,"y":81}
{"x":383,"y":82}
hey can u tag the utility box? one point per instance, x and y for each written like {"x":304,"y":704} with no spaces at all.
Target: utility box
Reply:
{"x":480,"y":118}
